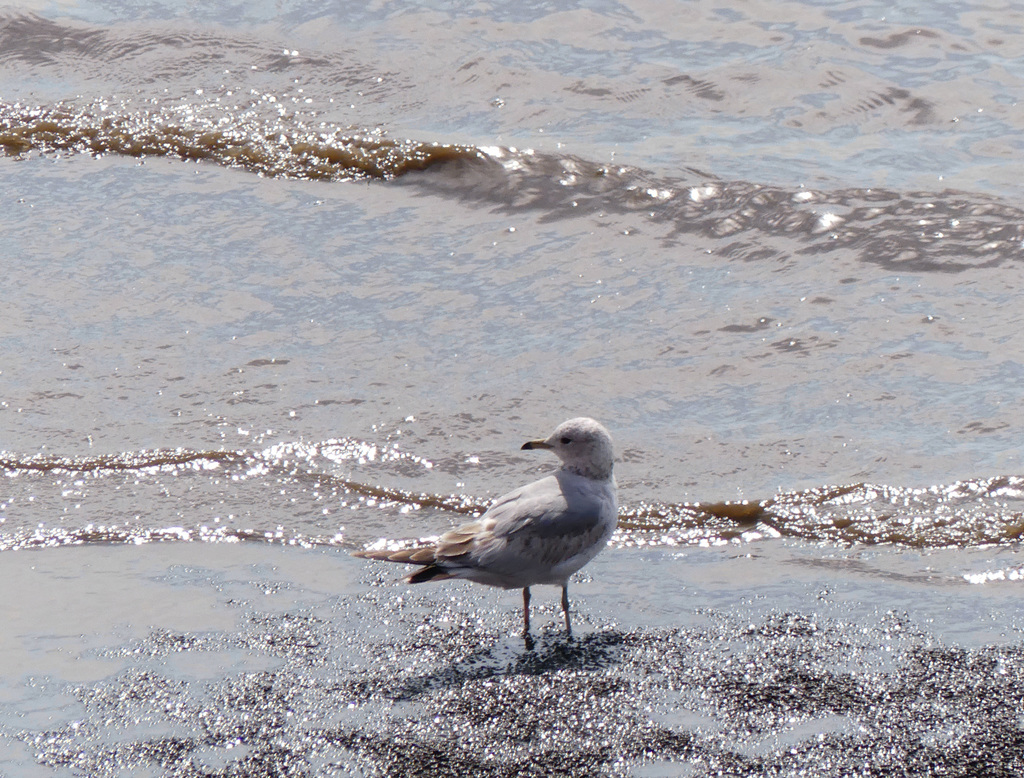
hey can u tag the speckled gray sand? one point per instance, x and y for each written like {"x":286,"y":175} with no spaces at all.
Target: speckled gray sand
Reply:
{"x":769,"y":659}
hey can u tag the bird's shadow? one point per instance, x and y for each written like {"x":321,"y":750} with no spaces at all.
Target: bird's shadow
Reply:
{"x":522,"y":656}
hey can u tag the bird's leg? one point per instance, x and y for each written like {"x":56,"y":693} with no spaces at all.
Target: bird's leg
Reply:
{"x":526,"y":610}
{"x":565,"y":608}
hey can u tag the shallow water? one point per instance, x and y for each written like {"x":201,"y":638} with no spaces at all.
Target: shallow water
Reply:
{"x":280,"y":284}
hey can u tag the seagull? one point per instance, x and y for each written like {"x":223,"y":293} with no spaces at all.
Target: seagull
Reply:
{"x":538,"y":534}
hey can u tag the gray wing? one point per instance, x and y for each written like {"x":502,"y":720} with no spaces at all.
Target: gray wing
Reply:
{"x":543,"y":523}
{"x":546,"y":509}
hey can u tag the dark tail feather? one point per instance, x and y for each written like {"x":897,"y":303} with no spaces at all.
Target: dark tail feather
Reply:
{"x":429,"y":573}
{"x":411,"y":556}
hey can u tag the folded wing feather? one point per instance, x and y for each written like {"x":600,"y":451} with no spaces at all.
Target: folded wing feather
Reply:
{"x":548,"y":522}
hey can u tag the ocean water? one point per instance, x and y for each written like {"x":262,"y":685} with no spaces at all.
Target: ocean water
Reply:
{"x":282,"y":279}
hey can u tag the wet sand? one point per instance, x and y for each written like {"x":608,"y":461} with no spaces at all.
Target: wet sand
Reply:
{"x":185,"y":659}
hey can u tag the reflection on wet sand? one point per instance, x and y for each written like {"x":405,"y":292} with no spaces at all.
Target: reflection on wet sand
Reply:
{"x":270,"y":673}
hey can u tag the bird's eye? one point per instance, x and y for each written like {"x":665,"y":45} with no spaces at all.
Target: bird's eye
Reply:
{"x":565,"y":441}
